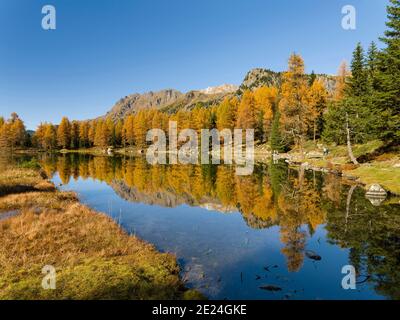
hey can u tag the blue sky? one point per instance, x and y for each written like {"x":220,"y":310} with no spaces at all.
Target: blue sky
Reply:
{"x":103,"y":50}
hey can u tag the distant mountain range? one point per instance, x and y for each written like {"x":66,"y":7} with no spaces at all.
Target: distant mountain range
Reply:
{"x":170,"y":100}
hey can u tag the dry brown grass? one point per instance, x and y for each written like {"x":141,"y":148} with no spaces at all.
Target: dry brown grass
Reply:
{"x":17,"y":180}
{"x":37,"y":201}
{"x":93,"y":257}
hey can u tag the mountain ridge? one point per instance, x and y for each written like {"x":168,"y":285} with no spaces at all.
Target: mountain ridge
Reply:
{"x":171,"y":100}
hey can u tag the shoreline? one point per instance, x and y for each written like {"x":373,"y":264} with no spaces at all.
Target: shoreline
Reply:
{"x":385,"y":171}
{"x":92,"y":256}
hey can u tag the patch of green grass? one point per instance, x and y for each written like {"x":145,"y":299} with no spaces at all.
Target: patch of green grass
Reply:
{"x":367,"y":148}
{"x":387,"y":177}
{"x":31,"y":164}
{"x":96,"y":279}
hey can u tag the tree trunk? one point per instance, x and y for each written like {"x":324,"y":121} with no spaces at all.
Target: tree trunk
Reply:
{"x":349,"y":149}
{"x":348,"y":202}
{"x":315,"y":132}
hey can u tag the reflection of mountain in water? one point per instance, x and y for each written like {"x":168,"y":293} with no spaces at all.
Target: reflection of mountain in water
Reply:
{"x":166,"y":198}
{"x":297,"y":202}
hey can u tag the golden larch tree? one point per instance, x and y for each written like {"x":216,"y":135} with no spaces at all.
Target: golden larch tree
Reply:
{"x":246,"y":115}
{"x":293,"y":105}
{"x":64,"y":133}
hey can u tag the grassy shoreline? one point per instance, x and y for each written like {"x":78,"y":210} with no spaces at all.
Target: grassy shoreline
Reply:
{"x":93,"y":257}
{"x":384,"y":169}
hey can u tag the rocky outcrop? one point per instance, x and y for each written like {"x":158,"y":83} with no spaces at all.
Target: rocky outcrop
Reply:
{"x":225,"y":88}
{"x":169,"y":101}
{"x":135,"y":102}
{"x":259,"y":77}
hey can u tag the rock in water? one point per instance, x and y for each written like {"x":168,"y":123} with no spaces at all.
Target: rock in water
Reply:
{"x":270,"y":287}
{"x":376,"y":194}
{"x":312,"y":255}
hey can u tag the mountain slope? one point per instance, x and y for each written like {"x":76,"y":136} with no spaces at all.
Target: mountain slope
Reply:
{"x":258,"y":77}
{"x":171,"y":101}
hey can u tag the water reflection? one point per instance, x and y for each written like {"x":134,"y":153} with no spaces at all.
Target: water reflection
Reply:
{"x":298,"y":203}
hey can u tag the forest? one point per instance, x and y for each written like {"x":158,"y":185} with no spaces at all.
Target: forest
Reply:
{"x":364,"y":106}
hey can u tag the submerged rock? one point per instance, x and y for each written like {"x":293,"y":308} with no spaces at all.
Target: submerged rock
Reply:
{"x":270,"y":287}
{"x":313,"y":256}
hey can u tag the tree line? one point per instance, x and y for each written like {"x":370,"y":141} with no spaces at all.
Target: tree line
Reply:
{"x":365,"y":105}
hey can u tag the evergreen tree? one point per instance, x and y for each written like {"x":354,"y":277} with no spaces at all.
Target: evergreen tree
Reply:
{"x":313,"y":77}
{"x":388,"y":82}
{"x":276,"y":138}
{"x":372,"y":63}
{"x":357,"y":85}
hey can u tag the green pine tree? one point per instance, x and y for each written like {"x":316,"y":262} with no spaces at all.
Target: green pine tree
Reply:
{"x":312,"y":78}
{"x":357,"y":85}
{"x":388,"y":82}
{"x":276,"y":138}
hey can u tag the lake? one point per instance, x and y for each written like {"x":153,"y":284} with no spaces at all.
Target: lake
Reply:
{"x":280,"y":233}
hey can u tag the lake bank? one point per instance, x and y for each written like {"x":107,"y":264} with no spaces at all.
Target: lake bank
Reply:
{"x":93,"y":257}
{"x":375,"y":167}
{"x":382,"y":169}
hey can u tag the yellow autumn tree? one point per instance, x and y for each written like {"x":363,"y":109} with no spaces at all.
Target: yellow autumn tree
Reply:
{"x":140,"y":127}
{"x":246,"y":114}
{"x":64,"y":133}
{"x":318,"y":97}
{"x":17,"y":131}
{"x":265,"y":101}
{"x":102,"y":137}
{"x":118,"y":132}
{"x":92,"y":133}
{"x":200,"y":119}
{"x":84,"y":128}
{"x":343,"y":74}
{"x":293,"y":105}
{"x":127,"y":131}
{"x":49,"y":137}
{"x":226,"y":114}
{"x":74,"y":134}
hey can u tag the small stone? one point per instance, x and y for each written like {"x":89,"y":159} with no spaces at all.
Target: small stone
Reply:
{"x":376,"y":188}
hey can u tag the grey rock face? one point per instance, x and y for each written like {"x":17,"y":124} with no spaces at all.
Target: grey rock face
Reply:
{"x":263,"y":77}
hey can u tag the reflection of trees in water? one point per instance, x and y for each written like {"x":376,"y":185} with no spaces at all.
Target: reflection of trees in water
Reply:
{"x":373,"y":236}
{"x":273,"y":195}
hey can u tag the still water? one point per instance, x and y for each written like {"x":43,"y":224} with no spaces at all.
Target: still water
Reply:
{"x":277,"y":234}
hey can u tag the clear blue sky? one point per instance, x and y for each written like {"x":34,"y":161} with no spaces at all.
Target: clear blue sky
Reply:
{"x":103,"y":50}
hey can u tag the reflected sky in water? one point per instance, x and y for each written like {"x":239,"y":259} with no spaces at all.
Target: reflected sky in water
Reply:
{"x":233,"y":235}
